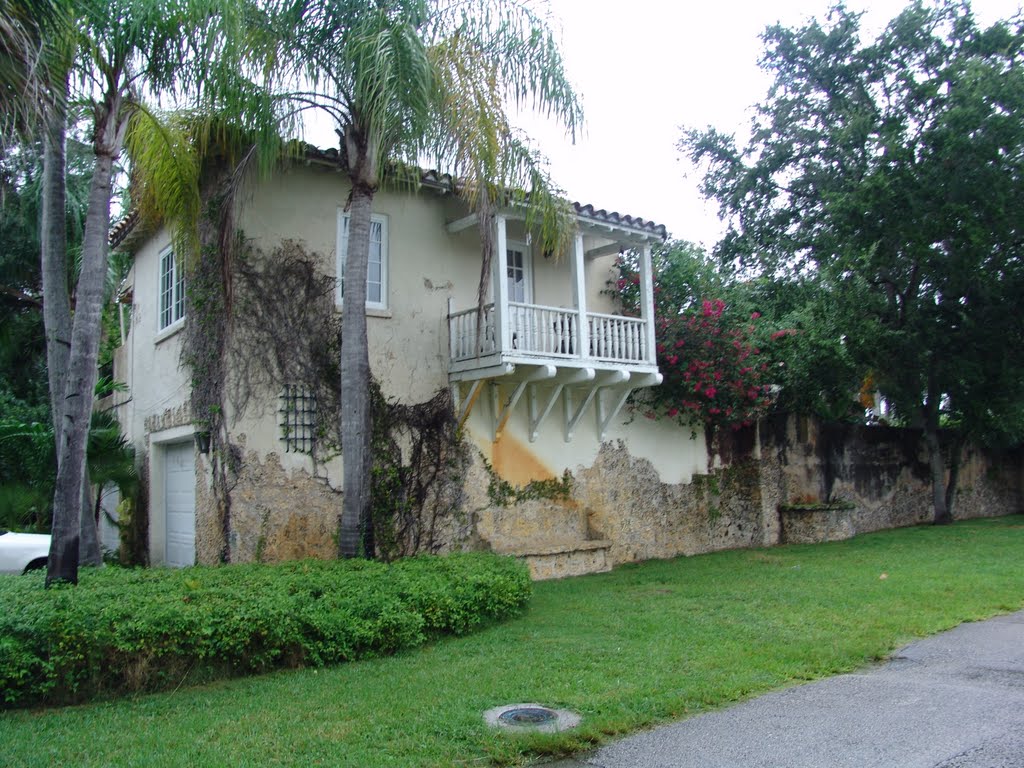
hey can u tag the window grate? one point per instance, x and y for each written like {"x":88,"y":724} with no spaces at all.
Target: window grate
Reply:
{"x":298,"y":418}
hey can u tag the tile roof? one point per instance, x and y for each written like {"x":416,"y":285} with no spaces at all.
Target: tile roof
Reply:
{"x":620,"y":220}
{"x":122,"y":228}
{"x":441,"y":181}
{"x":449,"y":183}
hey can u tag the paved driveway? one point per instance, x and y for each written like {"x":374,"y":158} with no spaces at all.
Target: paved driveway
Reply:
{"x":955,"y":700}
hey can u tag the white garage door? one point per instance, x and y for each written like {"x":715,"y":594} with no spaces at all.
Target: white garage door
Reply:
{"x":180,"y":503}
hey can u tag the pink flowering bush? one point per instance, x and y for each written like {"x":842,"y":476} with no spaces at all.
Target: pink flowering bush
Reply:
{"x":714,"y":373}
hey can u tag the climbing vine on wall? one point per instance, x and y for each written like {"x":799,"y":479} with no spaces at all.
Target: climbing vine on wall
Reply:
{"x":286,"y":331}
{"x":504,"y":494}
{"x":203,"y":354}
{"x":418,"y":462}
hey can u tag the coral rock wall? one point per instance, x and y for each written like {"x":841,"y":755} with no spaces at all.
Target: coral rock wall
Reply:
{"x":619,"y":510}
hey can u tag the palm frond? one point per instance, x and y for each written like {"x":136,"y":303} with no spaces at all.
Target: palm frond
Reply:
{"x":166,"y":174}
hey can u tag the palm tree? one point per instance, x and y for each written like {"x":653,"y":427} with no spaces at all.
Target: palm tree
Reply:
{"x":409,"y":80}
{"x":23,"y":26}
{"x":122,"y":50}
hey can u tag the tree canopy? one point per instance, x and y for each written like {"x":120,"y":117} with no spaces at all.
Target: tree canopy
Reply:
{"x":891,"y":174}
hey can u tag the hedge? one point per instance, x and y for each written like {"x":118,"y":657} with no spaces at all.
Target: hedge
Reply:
{"x":124,"y":630}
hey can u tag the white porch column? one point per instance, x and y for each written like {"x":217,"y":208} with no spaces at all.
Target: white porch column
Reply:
{"x":647,"y":304}
{"x":579,"y":292}
{"x":499,"y":270}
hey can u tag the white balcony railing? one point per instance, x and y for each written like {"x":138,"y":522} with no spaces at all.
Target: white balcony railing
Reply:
{"x":548,"y":332}
{"x":613,"y":337}
{"x":466,"y":341}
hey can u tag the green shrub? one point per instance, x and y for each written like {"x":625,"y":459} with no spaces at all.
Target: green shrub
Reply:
{"x":125,"y":630}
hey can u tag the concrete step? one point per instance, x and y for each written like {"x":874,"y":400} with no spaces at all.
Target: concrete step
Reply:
{"x":557,"y":560}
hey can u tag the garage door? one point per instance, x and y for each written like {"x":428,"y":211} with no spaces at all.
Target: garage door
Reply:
{"x":180,"y":503}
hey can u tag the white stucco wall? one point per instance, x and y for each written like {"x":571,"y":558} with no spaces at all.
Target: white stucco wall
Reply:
{"x":409,"y":343}
{"x":149,"y":360}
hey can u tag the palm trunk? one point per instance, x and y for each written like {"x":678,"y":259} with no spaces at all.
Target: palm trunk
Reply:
{"x":56,"y":302}
{"x":89,"y":552}
{"x":85,"y":341}
{"x":356,"y":419}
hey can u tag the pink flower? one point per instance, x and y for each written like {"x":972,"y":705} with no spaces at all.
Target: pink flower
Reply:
{"x":710,"y":392}
{"x":754,"y":315}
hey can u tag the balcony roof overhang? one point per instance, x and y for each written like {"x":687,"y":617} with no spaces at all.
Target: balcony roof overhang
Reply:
{"x":620,"y":230}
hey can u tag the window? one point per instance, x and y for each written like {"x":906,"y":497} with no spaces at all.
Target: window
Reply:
{"x":519,"y":277}
{"x":376,"y":269}
{"x":172,"y":290}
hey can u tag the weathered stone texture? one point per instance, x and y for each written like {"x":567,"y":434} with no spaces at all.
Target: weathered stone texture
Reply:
{"x":171,"y":417}
{"x":620,"y":511}
{"x":645,"y":518}
{"x":883,"y":472}
{"x":278,"y":515}
{"x":209,"y":517}
{"x":815,"y":524}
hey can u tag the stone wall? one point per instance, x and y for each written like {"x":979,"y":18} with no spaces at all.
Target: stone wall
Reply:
{"x":880,"y":474}
{"x":274,"y":515}
{"x":767,"y":487}
{"x":645,"y":518}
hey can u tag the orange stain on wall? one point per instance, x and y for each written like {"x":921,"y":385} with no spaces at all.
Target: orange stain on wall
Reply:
{"x":515,"y":463}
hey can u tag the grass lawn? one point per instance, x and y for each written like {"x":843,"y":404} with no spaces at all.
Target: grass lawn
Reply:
{"x":643,"y":644}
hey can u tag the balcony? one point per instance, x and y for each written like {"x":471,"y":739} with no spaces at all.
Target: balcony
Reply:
{"x":548,"y":352}
{"x":540,"y":333}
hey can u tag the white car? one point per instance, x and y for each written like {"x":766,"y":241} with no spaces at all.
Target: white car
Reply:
{"x":23,"y":552}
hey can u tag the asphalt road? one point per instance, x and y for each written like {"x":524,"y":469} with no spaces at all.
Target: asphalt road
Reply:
{"x":955,"y":700}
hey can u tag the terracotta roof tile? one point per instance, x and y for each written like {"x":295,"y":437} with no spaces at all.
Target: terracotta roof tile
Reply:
{"x":439,"y":180}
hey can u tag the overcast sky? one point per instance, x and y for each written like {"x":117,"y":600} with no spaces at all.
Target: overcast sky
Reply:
{"x":647,"y":68}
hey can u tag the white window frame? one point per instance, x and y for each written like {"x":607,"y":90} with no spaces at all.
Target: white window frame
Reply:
{"x":342,"y":254}
{"x":170,"y":288}
{"x":510,"y":247}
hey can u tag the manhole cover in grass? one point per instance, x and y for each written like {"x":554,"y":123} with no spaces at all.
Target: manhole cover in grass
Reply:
{"x":531,"y":717}
{"x":528,"y":716}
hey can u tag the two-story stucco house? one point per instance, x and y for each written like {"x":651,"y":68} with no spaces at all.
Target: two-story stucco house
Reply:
{"x":536,"y":392}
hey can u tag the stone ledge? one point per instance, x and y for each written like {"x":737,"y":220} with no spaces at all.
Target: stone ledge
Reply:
{"x":537,"y":549}
{"x":806,"y":524}
{"x":574,"y":562}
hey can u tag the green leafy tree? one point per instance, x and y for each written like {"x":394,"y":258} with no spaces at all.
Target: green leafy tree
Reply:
{"x":893,"y":174}
{"x":416,"y":80}
{"x":802,"y":355}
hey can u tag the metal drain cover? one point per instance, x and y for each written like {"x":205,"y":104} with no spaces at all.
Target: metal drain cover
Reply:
{"x":531,"y":717}
{"x":528,"y":716}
